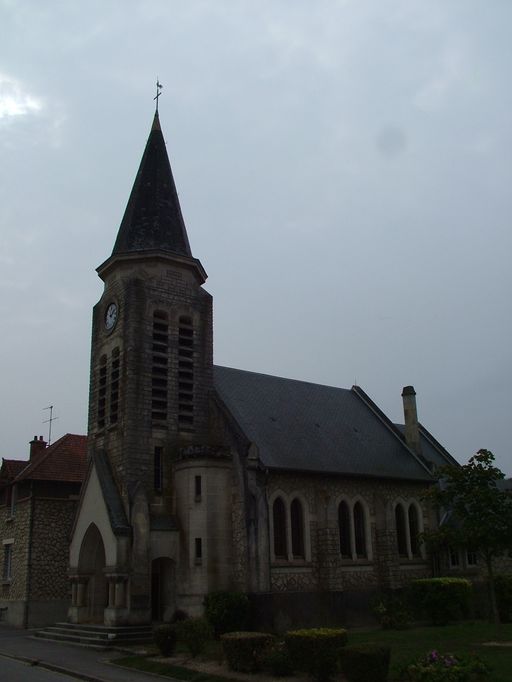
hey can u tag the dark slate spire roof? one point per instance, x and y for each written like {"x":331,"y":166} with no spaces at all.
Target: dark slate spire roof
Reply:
{"x":153,"y":220}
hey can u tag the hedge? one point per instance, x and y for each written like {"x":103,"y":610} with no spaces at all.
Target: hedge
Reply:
{"x":316,"y":650}
{"x":441,"y":599}
{"x":245,"y":651}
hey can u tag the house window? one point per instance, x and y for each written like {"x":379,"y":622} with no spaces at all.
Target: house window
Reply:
{"x":14,"y":500}
{"x":401,"y":532}
{"x":158,"y":469}
{"x":7,"y":568}
{"x":344,"y":530}
{"x":359,"y":530}
{"x":198,"y":549}
{"x":297,"y":522}
{"x":198,"y":484}
{"x":279,"y":520}
{"x":454,"y":557}
{"x":471,"y":558}
{"x":159,"y":368}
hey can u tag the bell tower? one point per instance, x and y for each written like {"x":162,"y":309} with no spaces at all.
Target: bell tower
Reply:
{"x":153,"y":529}
{"x":151,"y":361}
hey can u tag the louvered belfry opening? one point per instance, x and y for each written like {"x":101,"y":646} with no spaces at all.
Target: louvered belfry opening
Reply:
{"x":160,"y":366}
{"x":186,"y":374}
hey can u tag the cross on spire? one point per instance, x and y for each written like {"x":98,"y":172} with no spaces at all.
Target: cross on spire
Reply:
{"x":159,"y":87}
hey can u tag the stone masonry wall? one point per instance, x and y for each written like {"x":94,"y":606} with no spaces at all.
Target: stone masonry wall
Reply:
{"x":326,"y":569}
{"x":13,"y":592}
{"x":53,"y":519}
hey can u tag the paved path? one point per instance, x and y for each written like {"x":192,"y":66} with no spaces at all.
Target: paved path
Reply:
{"x":79,"y":662}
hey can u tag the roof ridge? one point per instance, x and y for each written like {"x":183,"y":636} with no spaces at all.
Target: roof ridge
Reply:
{"x":281,"y":378}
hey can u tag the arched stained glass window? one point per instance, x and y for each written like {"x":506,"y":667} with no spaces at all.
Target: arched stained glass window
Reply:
{"x":279,"y":521}
{"x":297,"y":522}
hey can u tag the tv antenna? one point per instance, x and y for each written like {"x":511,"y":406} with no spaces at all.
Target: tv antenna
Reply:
{"x":49,"y":421}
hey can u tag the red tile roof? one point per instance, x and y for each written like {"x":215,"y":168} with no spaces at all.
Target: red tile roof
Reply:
{"x":11,"y":468}
{"x":65,"y":460}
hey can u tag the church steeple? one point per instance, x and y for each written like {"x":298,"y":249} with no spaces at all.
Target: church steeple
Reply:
{"x":153,"y":220}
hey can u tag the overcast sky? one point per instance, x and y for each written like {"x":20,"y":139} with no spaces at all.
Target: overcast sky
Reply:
{"x":344,"y":169}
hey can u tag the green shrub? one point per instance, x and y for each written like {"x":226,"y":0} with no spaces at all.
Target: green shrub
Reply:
{"x":365,"y":662}
{"x":441,"y":599}
{"x":227,"y":611}
{"x":194,"y":633}
{"x":316,"y":650}
{"x":436,"y":667}
{"x":503,"y":586}
{"x":245,"y":651}
{"x":164,"y":637}
{"x":277,"y":661}
{"x":392,"y":612}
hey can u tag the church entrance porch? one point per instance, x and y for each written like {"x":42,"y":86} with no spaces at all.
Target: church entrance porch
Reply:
{"x":89,"y":587}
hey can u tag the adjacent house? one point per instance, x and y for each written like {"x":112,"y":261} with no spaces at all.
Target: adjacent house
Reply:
{"x":38,"y":500}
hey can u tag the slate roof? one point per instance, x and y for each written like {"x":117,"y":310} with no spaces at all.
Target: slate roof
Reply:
{"x":65,"y":461}
{"x":118,"y":521}
{"x":431,"y":449}
{"x":153,"y":218}
{"x":308,"y":427}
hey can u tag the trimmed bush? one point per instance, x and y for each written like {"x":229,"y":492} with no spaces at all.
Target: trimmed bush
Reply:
{"x":503,"y":587}
{"x":441,"y":599}
{"x":277,"y":661}
{"x":227,"y":611}
{"x":245,"y":651}
{"x":316,"y":650}
{"x":164,"y":637}
{"x":365,"y":662}
{"x":194,"y":633}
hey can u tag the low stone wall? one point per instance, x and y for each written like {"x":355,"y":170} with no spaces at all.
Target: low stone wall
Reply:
{"x":288,"y":610}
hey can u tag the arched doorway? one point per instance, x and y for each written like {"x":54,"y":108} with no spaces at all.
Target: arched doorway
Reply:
{"x":91,"y":563}
{"x":163,"y":588}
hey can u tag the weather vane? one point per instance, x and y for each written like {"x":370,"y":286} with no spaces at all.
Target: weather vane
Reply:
{"x":159,"y":86}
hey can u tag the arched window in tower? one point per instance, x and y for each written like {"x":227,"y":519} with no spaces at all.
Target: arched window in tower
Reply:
{"x":102,"y":391}
{"x":345,"y":530}
{"x":279,"y":524}
{"x":359,"y":530}
{"x":414,"y":530}
{"x":297,"y":523}
{"x":159,"y":369}
{"x":186,"y":374}
{"x":401,"y":533}
{"x":114,"y":386}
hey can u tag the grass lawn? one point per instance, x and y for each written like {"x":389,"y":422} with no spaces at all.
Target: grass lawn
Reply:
{"x":462,"y":639}
{"x":406,"y":646}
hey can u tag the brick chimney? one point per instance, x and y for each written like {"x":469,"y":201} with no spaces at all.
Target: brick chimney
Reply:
{"x":37,"y":446}
{"x":412,"y":430}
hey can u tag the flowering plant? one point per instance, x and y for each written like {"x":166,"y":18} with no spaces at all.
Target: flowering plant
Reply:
{"x":437,"y":667}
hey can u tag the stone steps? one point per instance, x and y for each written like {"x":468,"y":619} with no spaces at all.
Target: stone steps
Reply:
{"x":97,"y":636}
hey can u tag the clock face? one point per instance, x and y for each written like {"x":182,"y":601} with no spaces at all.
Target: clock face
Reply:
{"x":111,"y":316}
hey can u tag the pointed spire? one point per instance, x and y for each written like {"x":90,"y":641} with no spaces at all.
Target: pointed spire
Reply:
{"x":153,"y":218}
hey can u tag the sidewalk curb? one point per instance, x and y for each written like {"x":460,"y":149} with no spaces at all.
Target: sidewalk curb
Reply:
{"x":53,"y":667}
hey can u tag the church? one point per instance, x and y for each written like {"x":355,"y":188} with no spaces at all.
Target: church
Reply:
{"x":204,"y":478}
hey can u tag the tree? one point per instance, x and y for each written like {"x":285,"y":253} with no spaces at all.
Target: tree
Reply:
{"x":476,"y":513}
